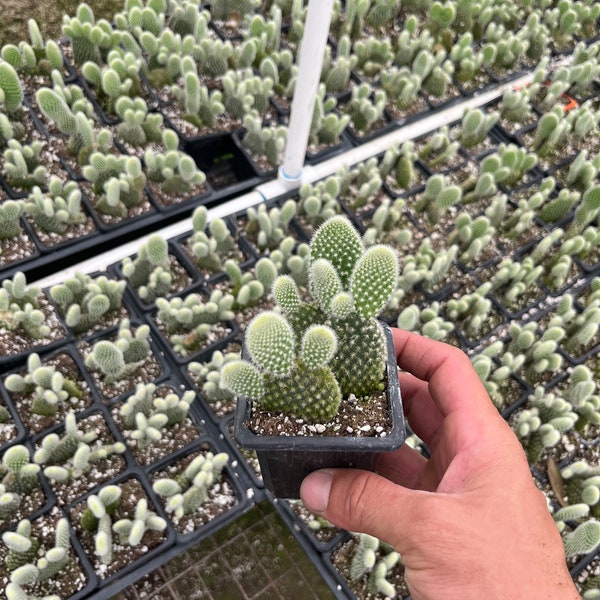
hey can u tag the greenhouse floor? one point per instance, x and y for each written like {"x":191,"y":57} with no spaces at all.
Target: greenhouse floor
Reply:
{"x":256,"y":557}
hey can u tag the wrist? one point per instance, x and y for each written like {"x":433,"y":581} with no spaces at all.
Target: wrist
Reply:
{"x":537,"y":583}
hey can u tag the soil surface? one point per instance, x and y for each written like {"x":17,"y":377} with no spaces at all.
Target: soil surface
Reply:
{"x":15,"y":13}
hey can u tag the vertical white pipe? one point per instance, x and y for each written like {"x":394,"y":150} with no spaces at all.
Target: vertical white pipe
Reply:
{"x":316,"y":30}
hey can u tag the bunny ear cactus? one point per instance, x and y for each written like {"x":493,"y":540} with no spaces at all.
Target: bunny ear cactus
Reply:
{"x":294,"y":366}
{"x":11,"y":92}
{"x":189,"y":490}
{"x":116,"y":360}
{"x":352,"y":286}
{"x":19,"y":475}
{"x":22,"y":547}
{"x":279,"y":378}
{"x":10,"y":219}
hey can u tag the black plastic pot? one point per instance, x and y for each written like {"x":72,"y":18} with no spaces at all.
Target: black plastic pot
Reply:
{"x":221,"y":160}
{"x":285,"y":460}
{"x":18,"y":429}
{"x":55,"y":321}
{"x":259,"y":170}
{"x":184,"y":281}
{"x":325,"y":152}
{"x":250,"y":476}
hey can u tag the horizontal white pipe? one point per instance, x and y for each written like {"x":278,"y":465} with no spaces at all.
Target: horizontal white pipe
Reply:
{"x":410,"y":131}
{"x":275,"y":188}
{"x":101,"y":261}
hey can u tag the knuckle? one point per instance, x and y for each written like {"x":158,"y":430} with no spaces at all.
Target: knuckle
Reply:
{"x":458,"y":355}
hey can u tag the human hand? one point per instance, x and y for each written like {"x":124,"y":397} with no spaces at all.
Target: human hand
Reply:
{"x":469,"y":522}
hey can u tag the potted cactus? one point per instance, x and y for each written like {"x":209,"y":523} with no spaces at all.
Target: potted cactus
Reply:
{"x":318,"y":384}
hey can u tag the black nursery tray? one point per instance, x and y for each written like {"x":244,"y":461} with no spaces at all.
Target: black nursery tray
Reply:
{"x":215,"y":557}
{"x":173,"y":542}
{"x":228,"y":172}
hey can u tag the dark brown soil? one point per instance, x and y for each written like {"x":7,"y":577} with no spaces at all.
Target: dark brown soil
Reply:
{"x":355,"y":418}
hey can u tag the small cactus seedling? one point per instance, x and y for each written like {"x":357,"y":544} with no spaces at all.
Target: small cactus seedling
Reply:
{"x":47,"y":386}
{"x":268,"y":142}
{"x":326,"y":126}
{"x":11,"y":91}
{"x":36,"y":57}
{"x":267,"y":227}
{"x":190,"y":320}
{"x":19,"y":475}
{"x":117,"y":182}
{"x":58,"y":209}
{"x":117,"y":360}
{"x":10,"y":219}
{"x":208,"y":376}
{"x":131,"y":531}
{"x":97,"y":519}
{"x":426,"y":321}
{"x":185,"y":494}
{"x":210,"y":243}
{"x":23,"y":166}
{"x":31,"y":561}
{"x":174,"y":172}
{"x":150,"y":273}
{"x":84,"y":301}
{"x":20,"y":307}
{"x":374,"y":560}
{"x":318,"y":201}
{"x":148,"y":414}
{"x":70,"y":455}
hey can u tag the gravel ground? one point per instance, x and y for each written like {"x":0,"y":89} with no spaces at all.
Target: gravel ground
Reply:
{"x":15,"y":13}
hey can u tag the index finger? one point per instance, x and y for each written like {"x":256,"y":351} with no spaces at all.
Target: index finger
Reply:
{"x":452,"y":381}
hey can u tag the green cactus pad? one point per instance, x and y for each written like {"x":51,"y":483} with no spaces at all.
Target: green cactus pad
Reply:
{"x":312,"y":394}
{"x":338,"y":242}
{"x":359,"y":337}
{"x":270,"y":341}
{"x":324,"y":282}
{"x":374,"y":280}
{"x":285,"y":292}
{"x":319,"y":345}
{"x":243,"y":378}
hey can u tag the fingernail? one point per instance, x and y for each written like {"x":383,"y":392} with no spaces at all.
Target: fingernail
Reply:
{"x":315,"y":491}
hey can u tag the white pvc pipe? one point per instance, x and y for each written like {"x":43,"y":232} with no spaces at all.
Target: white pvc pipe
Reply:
{"x":410,"y":132}
{"x":101,"y":261}
{"x":312,"y":49}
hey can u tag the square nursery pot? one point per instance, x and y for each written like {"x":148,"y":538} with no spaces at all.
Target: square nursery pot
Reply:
{"x":286,"y":460}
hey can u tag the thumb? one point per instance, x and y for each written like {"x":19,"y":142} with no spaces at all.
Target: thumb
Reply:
{"x":365,"y":502}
